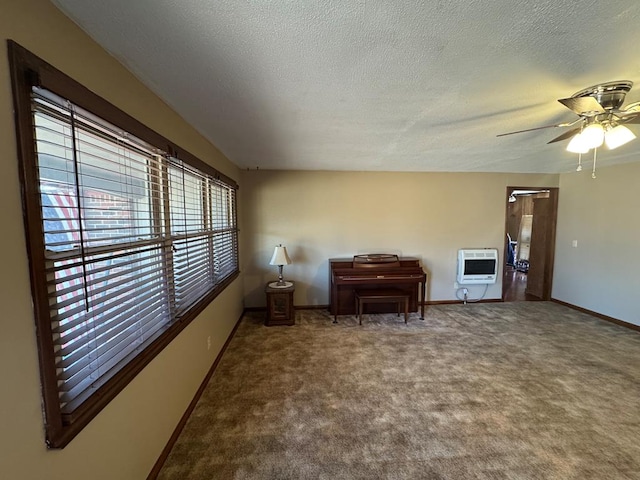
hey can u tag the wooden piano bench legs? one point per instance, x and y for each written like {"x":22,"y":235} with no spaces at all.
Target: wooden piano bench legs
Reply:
{"x":390,"y":295}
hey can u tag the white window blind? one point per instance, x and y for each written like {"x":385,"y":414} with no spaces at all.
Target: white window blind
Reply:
{"x":132,"y":240}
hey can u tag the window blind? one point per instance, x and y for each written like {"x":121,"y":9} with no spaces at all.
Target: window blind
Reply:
{"x":133,"y":238}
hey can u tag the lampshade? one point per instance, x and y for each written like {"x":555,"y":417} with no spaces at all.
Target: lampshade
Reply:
{"x":592,"y":136}
{"x":576,"y":145}
{"x":280,"y":256}
{"x":618,"y":136}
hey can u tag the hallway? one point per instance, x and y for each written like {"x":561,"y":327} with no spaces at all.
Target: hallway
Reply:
{"x":515,"y":284}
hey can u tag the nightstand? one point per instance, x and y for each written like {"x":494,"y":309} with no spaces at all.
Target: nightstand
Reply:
{"x":280,"y":309}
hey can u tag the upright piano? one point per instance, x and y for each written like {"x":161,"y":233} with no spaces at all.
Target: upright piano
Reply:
{"x":375,"y":271}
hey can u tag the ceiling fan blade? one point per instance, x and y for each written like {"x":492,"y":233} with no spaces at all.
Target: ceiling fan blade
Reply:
{"x":630,"y":114}
{"x":565,"y":135}
{"x":631,"y":108}
{"x":581,"y":105}
{"x":537,"y":128}
{"x":633,"y":118}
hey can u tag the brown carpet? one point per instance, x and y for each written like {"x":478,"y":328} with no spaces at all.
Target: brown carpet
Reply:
{"x":530,"y":390}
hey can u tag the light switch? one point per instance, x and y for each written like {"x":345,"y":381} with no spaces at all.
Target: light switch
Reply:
{"x":574,"y":243}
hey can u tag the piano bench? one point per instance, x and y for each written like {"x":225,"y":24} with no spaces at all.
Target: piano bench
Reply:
{"x":387,"y":295}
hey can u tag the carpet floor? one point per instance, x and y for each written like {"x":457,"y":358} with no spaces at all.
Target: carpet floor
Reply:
{"x":527,"y":390}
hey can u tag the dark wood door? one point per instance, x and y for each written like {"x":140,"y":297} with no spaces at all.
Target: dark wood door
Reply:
{"x":542,"y":240}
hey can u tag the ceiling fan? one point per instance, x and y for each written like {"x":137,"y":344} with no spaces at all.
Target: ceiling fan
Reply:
{"x":601,"y":117}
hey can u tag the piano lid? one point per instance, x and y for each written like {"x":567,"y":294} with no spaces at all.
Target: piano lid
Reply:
{"x":385,"y":260}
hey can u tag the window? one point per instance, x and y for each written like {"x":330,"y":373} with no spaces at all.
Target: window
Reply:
{"x":128,"y":241}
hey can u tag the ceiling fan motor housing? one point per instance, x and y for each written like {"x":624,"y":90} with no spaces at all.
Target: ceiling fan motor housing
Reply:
{"x":610,"y":95}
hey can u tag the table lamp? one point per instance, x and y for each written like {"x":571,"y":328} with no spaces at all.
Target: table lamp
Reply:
{"x":280,"y":258}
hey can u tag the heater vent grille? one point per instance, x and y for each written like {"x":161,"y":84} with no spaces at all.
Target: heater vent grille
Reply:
{"x":477,"y":266}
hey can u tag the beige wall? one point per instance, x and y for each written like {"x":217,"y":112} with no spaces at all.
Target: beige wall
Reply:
{"x":125,"y":439}
{"x":322,"y":215}
{"x":601,"y":273}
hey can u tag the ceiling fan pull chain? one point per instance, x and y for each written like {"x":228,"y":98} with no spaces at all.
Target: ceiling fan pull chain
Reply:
{"x":579,"y":169}
{"x":593,"y":173}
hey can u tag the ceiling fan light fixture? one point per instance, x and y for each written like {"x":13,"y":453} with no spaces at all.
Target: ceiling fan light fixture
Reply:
{"x":577,"y":144}
{"x":592,"y":136}
{"x":618,"y":136}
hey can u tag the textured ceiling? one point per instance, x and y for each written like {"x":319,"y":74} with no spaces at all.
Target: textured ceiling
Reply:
{"x":373,"y":84}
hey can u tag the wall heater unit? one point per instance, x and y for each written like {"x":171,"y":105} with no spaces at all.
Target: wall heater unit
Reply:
{"x":477,"y":265}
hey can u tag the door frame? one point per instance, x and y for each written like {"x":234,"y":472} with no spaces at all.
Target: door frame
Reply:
{"x":550,"y":251}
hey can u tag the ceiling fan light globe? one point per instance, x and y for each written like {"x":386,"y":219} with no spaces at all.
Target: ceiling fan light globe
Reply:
{"x":592,"y":136}
{"x":618,"y":136}
{"x":577,"y":144}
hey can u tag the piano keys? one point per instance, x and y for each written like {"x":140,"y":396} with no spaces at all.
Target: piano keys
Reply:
{"x":375,"y":271}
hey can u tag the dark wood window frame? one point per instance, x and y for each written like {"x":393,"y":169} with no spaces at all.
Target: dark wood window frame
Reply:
{"x":29,"y":71}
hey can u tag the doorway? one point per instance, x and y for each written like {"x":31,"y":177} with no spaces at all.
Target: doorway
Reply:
{"x":530,"y":229}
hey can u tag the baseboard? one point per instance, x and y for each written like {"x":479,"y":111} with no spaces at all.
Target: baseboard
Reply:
{"x":297,"y":307}
{"x":155,"y":471}
{"x":326,"y":307}
{"x":453,"y":302}
{"x":254,"y":309}
{"x":622,"y":323}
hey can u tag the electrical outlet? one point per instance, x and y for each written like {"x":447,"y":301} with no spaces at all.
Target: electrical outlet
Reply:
{"x":209,"y":342}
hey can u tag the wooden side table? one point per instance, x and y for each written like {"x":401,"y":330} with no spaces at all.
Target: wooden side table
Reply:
{"x":280,"y":309}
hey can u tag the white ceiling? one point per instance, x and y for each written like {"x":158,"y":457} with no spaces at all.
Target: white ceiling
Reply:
{"x":374,"y":84}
